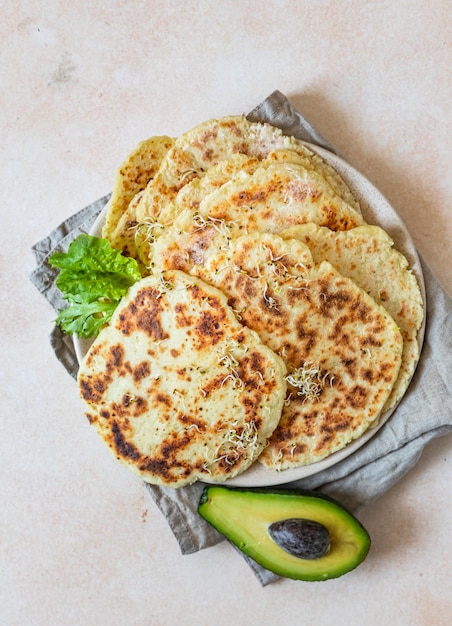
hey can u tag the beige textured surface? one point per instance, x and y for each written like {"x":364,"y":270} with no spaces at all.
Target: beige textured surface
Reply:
{"x":82,"y":84}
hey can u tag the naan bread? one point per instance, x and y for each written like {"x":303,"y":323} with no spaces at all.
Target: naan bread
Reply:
{"x":367,"y":255}
{"x":271,"y":199}
{"x":195,"y":151}
{"x":278,"y":194}
{"x":125,"y":239}
{"x":342,"y":350}
{"x":177,"y":387}
{"x":132,"y":176}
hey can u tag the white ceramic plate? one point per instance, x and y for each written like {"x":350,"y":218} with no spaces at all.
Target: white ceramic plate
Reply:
{"x":376,"y":210}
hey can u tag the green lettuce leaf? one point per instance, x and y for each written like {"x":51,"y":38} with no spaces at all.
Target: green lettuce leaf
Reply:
{"x":85,"y":320}
{"x":93,"y":278}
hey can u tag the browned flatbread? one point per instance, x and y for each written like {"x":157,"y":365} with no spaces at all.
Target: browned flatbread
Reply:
{"x":132,"y":176}
{"x":177,"y":388}
{"x":367,"y":256}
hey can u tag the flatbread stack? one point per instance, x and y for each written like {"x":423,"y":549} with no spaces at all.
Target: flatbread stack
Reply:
{"x":272,"y":325}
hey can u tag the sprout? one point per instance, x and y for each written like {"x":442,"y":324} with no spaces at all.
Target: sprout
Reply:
{"x":190,"y":170}
{"x":221,"y":226}
{"x":280,"y":270}
{"x":164,"y":285}
{"x":238,"y":313}
{"x":146,"y":230}
{"x":270,"y":301}
{"x":309,"y":380}
{"x":238,"y":442}
{"x":227,"y":359}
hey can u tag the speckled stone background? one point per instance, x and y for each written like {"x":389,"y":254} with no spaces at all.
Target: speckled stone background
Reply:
{"x":81,"y":84}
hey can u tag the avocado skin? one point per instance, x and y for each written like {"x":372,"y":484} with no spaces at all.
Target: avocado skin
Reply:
{"x":243,"y":516}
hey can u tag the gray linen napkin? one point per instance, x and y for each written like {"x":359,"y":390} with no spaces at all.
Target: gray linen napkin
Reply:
{"x":424,"y":414}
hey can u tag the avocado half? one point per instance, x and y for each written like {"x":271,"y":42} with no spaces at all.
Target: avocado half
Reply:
{"x":246,"y":518}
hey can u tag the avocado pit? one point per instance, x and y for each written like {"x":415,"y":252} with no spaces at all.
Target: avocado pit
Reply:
{"x":303,"y":538}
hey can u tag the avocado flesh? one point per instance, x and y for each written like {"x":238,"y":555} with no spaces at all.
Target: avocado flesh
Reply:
{"x":244,"y":515}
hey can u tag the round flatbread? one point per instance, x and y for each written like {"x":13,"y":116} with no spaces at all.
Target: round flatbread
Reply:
{"x":177,"y":388}
{"x":367,"y":255}
{"x":131,"y":178}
